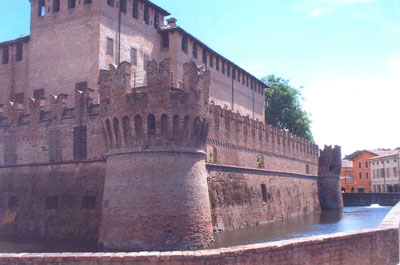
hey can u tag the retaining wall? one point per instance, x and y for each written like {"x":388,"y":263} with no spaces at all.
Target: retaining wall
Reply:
{"x":378,"y":246}
{"x":366,"y":199}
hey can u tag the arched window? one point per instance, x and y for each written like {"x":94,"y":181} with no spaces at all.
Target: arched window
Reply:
{"x":127,"y":129}
{"x":138,"y":127}
{"x":151,"y":124}
{"x":117,"y":132}
{"x":164,"y":124}
{"x":109,"y":133}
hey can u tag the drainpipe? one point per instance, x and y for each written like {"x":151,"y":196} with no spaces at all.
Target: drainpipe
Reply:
{"x":233,"y":93}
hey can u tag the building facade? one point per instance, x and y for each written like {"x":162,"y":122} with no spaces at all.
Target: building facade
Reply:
{"x":347,"y":177}
{"x":123,"y":130}
{"x":385,"y":172}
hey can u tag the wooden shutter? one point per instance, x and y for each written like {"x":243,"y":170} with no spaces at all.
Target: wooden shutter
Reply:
{"x":55,"y":153}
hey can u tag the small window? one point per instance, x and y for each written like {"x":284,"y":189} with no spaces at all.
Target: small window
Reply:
{"x":360,"y":175}
{"x":223,"y":67}
{"x":184,"y":44}
{"x":52,"y":203}
{"x":18,"y":56}
{"x":110,"y":3}
{"x":71,"y":4}
{"x":204,"y":57}
{"x":228,"y":70}
{"x":80,"y":143}
{"x":56,"y":6}
{"x":366,"y":164}
{"x":122,"y":6}
{"x":165,"y":40}
{"x":88,"y":202}
{"x":41,"y":8}
{"x":86,"y":2}
{"x":156,"y":19}
{"x":133,"y":56}
{"x":367,"y":175}
{"x":233,"y":73}
{"x":195,"y":49}
{"x":12,"y":202}
{"x":239,"y":73}
{"x":217,"y":64}
{"x":146,"y":16}
{"x":359,"y":164}
{"x":151,"y":124}
{"x":211,"y":60}
{"x":5,"y":55}
{"x":135,"y":9}
{"x":387,"y":172}
{"x":38,"y":93}
{"x":395,"y":171}
{"x":55,"y":153}
{"x":110,"y":47}
{"x":264,"y":192}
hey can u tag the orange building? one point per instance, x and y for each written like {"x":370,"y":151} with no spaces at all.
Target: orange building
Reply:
{"x":347,"y":176}
{"x":362,"y":169}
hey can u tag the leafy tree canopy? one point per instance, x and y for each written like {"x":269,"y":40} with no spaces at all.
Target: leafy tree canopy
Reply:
{"x":283,"y":107}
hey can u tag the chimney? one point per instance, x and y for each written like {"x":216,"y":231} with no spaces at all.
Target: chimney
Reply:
{"x":172,"y":22}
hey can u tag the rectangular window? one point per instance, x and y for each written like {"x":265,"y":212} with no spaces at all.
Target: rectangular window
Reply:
{"x":211,"y":60}
{"x":223,"y":67}
{"x":395,"y":171}
{"x":38,"y":93}
{"x":12,"y":202}
{"x":360,"y":175}
{"x":122,"y":6}
{"x":86,"y":2}
{"x":217,"y":64}
{"x":135,"y":9}
{"x":10,"y":149}
{"x":233,"y":73}
{"x":5,"y":55}
{"x":18,"y":56}
{"x":359,"y":164}
{"x":228,"y":70}
{"x":247,"y":80}
{"x":367,"y":175}
{"x":388,"y":172}
{"x":55,"y":153}
{"x":184,"y":44}
{"x":239,"y":73}
{"x":110,"y":47}
{"x":146,"y":16}
{"x":19,"y":98}
{"x":52,"y":203}
{"x":56,"y":6}
{"x":133,"y":56}
{"x":264,"y":192}
{"x":80,"y":143}
{"x":71,"y":4}
{"x":366,"y":164}
{"x":88,"y":202}
{"x":156,"y":19}
{"x":195,"y":49}
{"x":41,"y":8}
{"x":165,"y":40}
{"x":110,"y":3}
{"x":204,"y":56}
{"x":145,"y":60}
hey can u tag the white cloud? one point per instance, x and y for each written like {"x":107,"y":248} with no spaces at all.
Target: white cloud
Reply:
{"x":319,"y":12}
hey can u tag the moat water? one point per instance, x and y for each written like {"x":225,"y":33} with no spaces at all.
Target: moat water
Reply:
{"x":350,"y":219}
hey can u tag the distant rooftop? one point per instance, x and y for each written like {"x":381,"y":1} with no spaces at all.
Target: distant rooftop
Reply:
{"x":376,"y":152}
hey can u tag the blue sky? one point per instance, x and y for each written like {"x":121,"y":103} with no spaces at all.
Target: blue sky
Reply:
{"x":345,"y":54}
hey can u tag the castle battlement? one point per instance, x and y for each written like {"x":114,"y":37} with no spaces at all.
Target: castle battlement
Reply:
{"x":157,"y":115}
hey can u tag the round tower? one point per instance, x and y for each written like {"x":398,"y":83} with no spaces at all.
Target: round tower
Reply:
{"x":155,"y":191}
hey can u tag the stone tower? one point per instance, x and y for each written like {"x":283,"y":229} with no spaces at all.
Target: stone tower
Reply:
{"x":329,"y":166}
{"x":155,"y":192}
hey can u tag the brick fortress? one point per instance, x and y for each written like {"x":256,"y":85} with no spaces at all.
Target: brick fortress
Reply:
{"x":120,"y":129}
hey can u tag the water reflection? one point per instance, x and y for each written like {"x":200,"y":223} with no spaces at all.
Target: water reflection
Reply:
{"x":350,"y":219}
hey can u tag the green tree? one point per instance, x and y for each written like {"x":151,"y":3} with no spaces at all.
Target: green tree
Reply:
{"x":283,"y":107}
